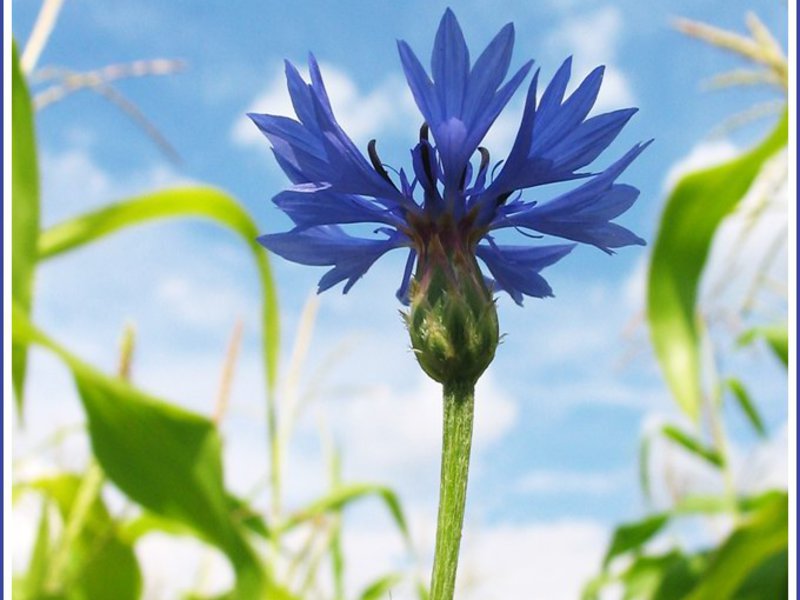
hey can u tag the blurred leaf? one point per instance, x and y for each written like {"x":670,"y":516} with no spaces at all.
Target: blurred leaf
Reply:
{"x":693,"y":211}
{"x":149,"y":522}
{"x":776,"y":336}
{"x":99,"y":563}
{"x":680,"y":577}
{"x":380,"y":588}
{"x":203,"y":202}
{"x":746,"y":404}
{"x":24,"y":212}
{"x":693,"y":445}
{"x":32,"y":586}
{"x":342,"y":497}
{"x":633,"y":536}
{"x":163,"y":457}
{"x":646,"y":573}
{"x":768,"y":580}
{"x":762,"y":535}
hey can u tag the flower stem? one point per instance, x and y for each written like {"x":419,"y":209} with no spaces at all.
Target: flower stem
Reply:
{"x":459,"y":402}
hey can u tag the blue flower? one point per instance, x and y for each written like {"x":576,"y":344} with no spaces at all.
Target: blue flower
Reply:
{"x":454,"y":199}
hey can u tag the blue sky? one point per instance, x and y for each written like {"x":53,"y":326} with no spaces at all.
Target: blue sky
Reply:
{"x":566,"y":401}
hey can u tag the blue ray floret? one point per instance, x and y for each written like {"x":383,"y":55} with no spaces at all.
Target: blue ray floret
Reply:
{"x":454,"y":200}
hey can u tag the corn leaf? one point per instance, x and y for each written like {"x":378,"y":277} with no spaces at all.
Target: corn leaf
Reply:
{"x":24,"y":212}
{"x":163,"y":457}
{"x":632,"y":536}
{"x":746,"y":404}
{"x":760,"y":538}
{"x":693,"y":212}
{"x":199,"y":201}
{"x":776,"y":336}
{"x":343,"y":496}
{"x":693,"y":445}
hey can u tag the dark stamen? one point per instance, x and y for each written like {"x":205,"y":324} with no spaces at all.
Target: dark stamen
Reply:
{"x":463,"y":179}
{"x":484,"y":158}
{"x":423,"y":132}
{"x":501,"y":199}
{"x":377,"y":164}
{"x":426,"y":162}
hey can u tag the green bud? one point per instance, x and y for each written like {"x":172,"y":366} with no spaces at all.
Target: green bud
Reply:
{"x":453,"y":319}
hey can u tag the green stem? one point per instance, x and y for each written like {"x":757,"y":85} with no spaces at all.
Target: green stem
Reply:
{"x":459,"y":402}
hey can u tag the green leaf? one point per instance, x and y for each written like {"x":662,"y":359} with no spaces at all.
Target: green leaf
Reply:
{"x":381,"y":587}
{"x":24,"y":212}
{"x":645,"y":575}
{"x":33,"y":583}
{"x":769,"y":580}
{"x":776,"y":336}
{"x":341,"y":497}
{"x":693,"y":211}
{"x":99,"y":563}
{"x":746,"y":404}
{"x":163,"y":457}
{"x":693,"y":445}
{"x":762,"y":535}
{"x":680,"y":577}
{"x":200,"y":201}
{"x":632,"y":536}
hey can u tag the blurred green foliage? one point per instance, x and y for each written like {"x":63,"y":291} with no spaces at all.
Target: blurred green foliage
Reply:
{"x":166,"y":460}
{"x":648,"y":559}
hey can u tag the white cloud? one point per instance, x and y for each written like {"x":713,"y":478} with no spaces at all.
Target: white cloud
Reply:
{"x":530,"y":561}
{"x":594,"y":40}
{"x":401,"y":430}
{"x":203,"y":305}
{"x":389,"y":106}
{"x":704,"y":154}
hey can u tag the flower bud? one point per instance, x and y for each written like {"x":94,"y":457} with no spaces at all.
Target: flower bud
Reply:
{"x":453,"y":319}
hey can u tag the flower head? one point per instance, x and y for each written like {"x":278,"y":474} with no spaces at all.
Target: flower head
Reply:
{"x":446,"y":210}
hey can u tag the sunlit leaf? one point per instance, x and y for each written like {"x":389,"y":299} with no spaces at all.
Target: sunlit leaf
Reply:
{"x":381,"y":588}
{"x":632,"y":536}
{"x":32,"y":586}
{"x":680,"y":577}
{"x":344,"y":496}
{"x":746,"y":404}
{"x":645,"y":575}
{"x":776,"y":336}
{"x":99,"y":563}
{"x":693,"y":445}
{"x":24,"y":212}
{"x":199,"y":201}
{"x":693,"y":212}
{"x":759,"y":538}
{"x":769,"y":580}
{"x":163,"y":457}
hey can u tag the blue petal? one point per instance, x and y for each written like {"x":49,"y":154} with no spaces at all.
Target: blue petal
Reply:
{"x":583,"y":214}
{"x":556,"y":139}
{"x":460,"y":104}
{"x":450,"y":64}
{"x":489,"y":71}
{"x":516,"y":268}
{"x":310,"y":205}
{"x":316,"y":149}
{"x":350,"y":257}
{"x":420,"y":84}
